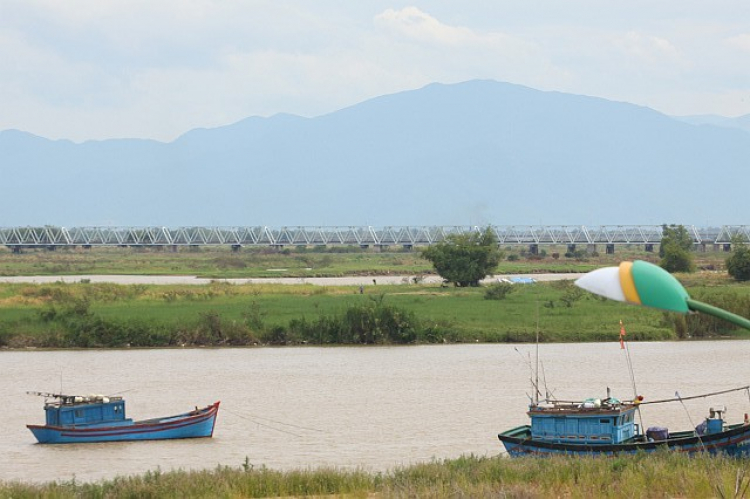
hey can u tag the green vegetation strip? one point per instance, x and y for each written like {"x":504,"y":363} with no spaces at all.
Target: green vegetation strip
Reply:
{"x":101,"y":315}
{"x":646,"y":476}
{"x":222,"y":262}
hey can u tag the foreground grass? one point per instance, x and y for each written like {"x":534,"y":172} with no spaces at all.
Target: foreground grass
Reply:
{"x":645,"y":476}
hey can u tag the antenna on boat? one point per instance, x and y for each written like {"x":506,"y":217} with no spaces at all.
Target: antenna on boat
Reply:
{"x":536,"y":371}
{"x":527,"y":360}
{"x":624,"y":346}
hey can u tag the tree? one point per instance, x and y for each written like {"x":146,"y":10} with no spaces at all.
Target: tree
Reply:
{"x":465,"y":259}
{"x":738,"y":265}
{"x":675,"y":249}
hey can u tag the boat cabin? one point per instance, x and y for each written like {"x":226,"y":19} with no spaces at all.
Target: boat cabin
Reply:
{"x":590,"y":422}
{"x":89,"y":410}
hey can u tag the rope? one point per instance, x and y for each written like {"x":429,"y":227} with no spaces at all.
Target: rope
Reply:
{"x":680,"y":399}
{"x":252,"y":419}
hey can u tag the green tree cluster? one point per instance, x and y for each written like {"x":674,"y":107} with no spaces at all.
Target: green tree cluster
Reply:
{"x":465,"y":259}
{"x":675,"y":249}
{"x":738,"y":265}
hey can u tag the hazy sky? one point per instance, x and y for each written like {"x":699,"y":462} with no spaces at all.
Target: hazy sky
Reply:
{"x":94,"y":69}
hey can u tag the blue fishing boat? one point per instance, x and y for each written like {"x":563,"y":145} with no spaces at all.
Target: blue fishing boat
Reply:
{"x":608,"y":426}
{"x":97,"y":418}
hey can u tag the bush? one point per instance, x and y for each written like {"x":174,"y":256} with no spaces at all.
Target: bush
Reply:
{"x":738,"y":265}
{"x":704,"y":325}
{"x":370,"y":323}
{"x":465,"y":259}
{"x":498,"y":291}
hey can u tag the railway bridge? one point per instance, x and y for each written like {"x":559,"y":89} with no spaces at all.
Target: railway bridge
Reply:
{"x":532,"y":236}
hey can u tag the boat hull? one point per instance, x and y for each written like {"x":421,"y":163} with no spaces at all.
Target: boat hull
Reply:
{"x":734,"y":441}
{"x":195,"y":424}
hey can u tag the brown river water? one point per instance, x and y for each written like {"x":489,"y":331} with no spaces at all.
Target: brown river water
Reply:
{"x":373,"y":408}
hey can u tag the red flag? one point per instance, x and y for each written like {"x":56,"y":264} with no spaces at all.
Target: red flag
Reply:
{"x":622,"y":336}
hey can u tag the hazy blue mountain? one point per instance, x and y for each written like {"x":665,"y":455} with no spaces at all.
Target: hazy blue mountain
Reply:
{"x":475,"y":153}
{"x":742,"y":122}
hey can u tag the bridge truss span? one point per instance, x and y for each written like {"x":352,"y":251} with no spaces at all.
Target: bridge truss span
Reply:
{"x":363,"y":236}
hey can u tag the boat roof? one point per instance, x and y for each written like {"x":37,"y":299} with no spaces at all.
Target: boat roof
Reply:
{"x":588,"y":407}
{"x":59,"y":399}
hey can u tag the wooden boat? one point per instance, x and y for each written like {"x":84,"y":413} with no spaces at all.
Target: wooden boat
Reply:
{"x":97,"y":418}
{"x":608,"y":426}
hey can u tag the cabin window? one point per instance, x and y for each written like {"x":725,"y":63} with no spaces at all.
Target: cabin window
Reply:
{"x":604,"y":421}
{"x":79,"y":413}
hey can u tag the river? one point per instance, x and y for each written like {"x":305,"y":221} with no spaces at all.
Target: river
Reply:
{"x":373,"y":408}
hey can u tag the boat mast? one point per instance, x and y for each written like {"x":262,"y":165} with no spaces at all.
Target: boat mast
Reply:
{"x":536,"y":370}
{"x":624,"y":344}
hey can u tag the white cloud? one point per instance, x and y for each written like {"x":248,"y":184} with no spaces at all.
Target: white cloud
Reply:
{"x":648,"y":49}
{"x":741,"y":42}
{"x":414,"y":23}
{"x":105,"y":68}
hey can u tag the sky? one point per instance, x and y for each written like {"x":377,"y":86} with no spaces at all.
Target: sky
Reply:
{"x":98,"y":69}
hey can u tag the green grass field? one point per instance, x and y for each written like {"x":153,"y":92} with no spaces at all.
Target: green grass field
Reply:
{"x":70,"y":315}
{"x":558,"y":311}
{"x":292,"y":262}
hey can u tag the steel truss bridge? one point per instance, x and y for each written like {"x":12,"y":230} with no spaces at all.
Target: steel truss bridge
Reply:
{"x":364,"y":236}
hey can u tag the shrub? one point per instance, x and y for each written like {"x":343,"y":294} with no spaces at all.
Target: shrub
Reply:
{"x":738,"y":265}
{"x":498,"y":291}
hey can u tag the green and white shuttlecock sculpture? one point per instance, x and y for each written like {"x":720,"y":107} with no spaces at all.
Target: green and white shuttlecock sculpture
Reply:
{"x":643,"y":283}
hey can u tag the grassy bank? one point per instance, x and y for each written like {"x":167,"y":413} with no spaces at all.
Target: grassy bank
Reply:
{"x":221,"y":262}
{"x":85,"y":315}
{"x":646,"y":476}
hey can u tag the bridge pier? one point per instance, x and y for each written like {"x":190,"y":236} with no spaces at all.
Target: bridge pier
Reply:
{"x":649,"y":248}
{"x":534,"y":249}
{"x":610,"y":249}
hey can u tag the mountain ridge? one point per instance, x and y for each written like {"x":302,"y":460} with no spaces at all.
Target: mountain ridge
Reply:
{"x":477,"y":152}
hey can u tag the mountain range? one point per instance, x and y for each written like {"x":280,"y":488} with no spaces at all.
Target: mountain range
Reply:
{"x":473,"y":153}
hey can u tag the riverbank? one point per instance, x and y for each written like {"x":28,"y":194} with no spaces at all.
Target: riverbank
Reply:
{"x":645,"y":476}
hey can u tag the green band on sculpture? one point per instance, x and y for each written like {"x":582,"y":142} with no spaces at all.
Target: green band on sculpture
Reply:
{"x":658,"y":288}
